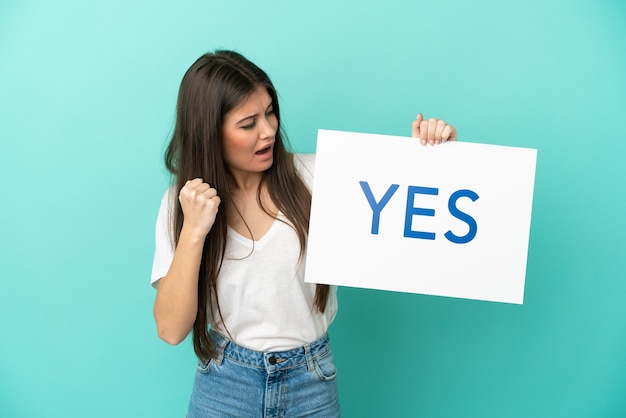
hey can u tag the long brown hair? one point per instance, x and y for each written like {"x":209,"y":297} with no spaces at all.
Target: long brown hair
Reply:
{"x":214,"y":85}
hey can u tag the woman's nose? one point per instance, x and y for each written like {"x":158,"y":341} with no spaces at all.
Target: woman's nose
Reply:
{"x":269,"y":126}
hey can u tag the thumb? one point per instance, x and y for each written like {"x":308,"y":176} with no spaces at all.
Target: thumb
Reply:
{"x":415,"y":126}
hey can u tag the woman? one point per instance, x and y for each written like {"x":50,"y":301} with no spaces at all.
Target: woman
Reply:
{"x":230,"y":243}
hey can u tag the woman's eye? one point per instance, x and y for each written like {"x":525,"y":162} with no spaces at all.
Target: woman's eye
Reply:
{"x":249,"y":126}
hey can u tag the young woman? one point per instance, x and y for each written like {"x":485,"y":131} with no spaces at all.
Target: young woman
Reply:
{"x":230,"y":247}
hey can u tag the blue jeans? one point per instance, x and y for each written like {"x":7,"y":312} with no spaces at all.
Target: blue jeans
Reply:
{"x":242,"y":383}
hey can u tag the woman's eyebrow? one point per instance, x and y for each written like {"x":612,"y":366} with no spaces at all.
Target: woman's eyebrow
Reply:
{"x":253,"y":116}
{"x":246,"y":118}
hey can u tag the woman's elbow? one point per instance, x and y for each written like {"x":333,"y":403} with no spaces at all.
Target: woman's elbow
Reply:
{"x":171,"y":331}
{"x":169,"y":336}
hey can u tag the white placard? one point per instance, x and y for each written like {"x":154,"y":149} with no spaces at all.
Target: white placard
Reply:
{"x":449,"y":220}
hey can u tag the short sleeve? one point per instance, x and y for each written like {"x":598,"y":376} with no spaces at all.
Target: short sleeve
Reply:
{"x":163,"y":244}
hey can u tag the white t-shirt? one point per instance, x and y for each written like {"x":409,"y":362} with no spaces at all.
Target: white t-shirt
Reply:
{"x":265,"y":303}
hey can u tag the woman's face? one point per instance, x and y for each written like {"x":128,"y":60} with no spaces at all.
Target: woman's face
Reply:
{"x":248,"y":134}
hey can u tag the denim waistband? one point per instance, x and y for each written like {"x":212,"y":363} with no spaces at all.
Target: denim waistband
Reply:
{"x":271,"y":361}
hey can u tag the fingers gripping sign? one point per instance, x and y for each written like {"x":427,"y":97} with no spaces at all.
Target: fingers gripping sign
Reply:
{"x":200,"y":203}
{"x":432,"y":131}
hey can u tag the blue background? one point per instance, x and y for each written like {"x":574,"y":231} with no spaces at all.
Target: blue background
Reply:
{"x":87,"y":98}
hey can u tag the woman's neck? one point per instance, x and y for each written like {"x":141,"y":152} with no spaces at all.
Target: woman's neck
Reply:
{"x":246,"y":182}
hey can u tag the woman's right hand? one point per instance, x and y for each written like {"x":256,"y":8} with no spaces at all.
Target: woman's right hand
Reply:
{"x":200,"y":203}
{"x":176,"y":303}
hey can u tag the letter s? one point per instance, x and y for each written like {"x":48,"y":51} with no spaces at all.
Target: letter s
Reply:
{"x":454,"y":211}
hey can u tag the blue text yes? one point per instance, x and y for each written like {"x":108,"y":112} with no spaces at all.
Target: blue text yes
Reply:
{"x":411,"y":210}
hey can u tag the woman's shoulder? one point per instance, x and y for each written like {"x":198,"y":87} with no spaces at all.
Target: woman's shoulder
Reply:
{"x":305,"y":165}
{"x":305,"y":162}
{"x":169,"y":197}
{"x":168,"y":203}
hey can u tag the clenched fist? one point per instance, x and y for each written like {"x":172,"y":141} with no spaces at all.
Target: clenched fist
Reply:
{"x":200,"y":203}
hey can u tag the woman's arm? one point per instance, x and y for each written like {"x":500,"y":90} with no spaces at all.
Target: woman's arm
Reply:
{"x":176,"y":303}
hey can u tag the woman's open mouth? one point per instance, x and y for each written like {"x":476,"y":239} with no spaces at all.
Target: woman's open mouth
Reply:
{"x":265,"y":151}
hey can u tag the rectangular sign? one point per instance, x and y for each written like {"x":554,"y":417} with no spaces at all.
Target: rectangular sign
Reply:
{"x":448,"y":220}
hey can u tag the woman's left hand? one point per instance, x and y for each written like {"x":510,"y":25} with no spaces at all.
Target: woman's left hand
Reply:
{"x":432,"y":131}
